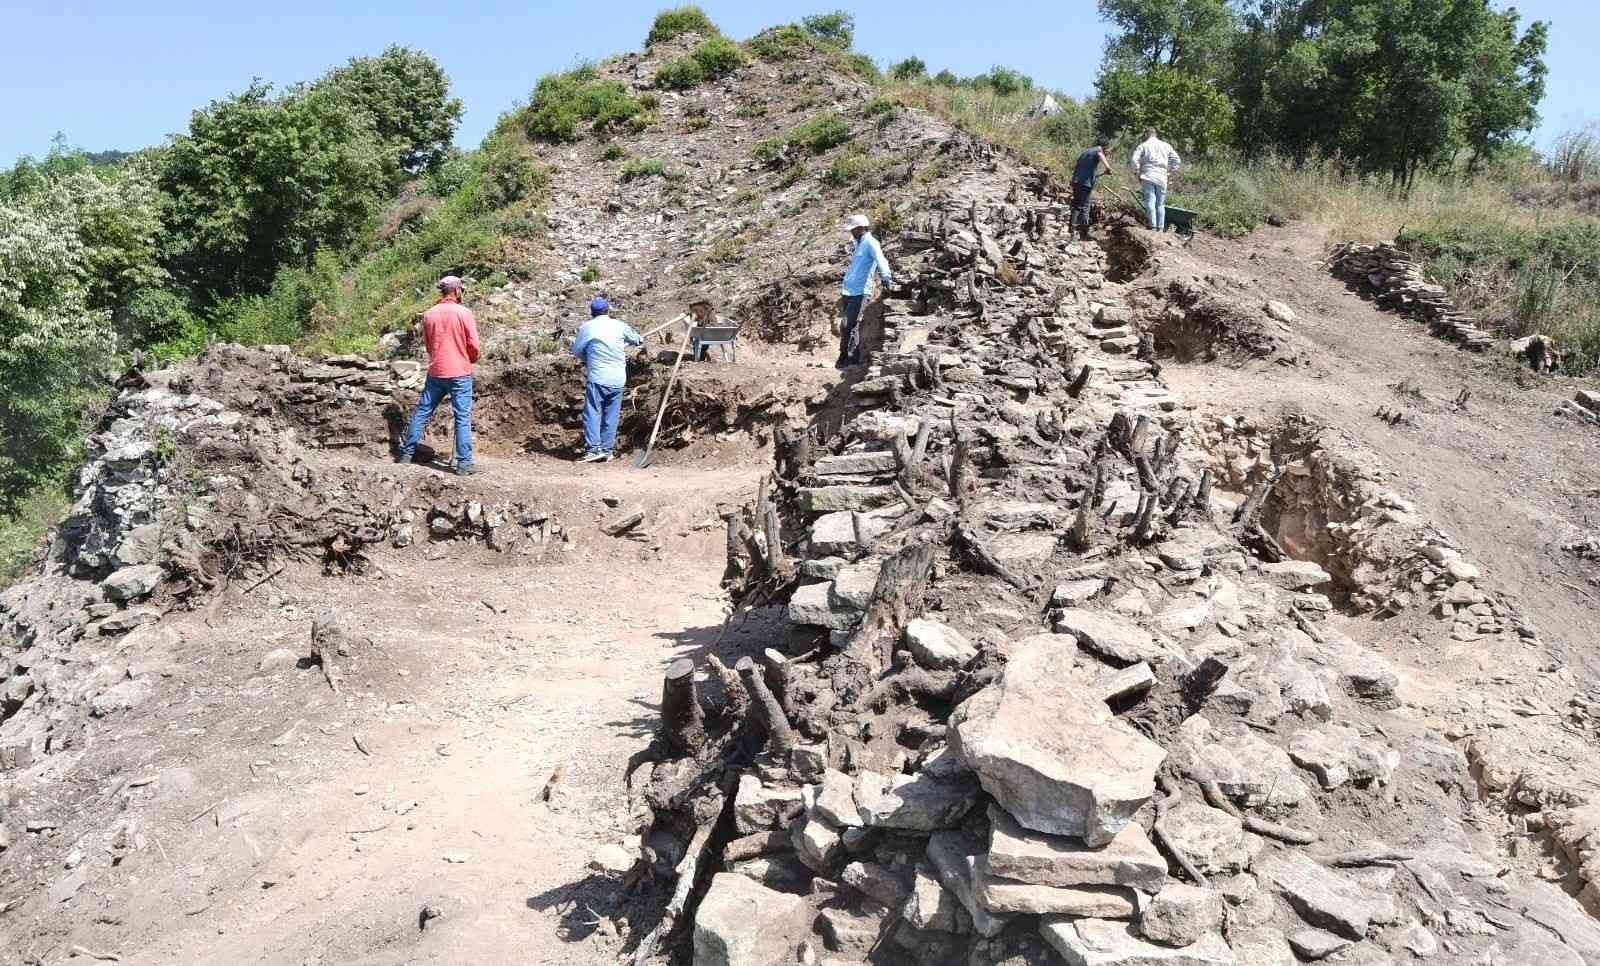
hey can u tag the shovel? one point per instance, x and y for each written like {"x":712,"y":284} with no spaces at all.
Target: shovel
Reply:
{"x":648,"y":453}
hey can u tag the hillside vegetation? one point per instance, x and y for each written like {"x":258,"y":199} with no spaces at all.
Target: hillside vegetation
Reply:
{"x":320,"y":214}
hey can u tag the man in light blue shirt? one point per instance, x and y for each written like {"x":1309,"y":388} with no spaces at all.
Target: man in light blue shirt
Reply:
{"x":602,"y":345}
{"x":868,"y":259}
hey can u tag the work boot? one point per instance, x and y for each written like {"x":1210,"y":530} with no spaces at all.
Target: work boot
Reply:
{"x":403,"y":457}
{"x":595,"y":457}
{"x":465,"y":469}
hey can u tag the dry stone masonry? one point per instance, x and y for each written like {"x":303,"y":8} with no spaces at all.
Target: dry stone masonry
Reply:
{"x":1396,"y":280}
{"x":1061,"y":686}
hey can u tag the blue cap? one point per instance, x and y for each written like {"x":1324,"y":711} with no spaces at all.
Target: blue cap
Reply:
{"x":599,"y":306}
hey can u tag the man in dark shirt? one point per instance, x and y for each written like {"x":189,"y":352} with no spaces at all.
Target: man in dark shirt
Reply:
{"x":1084,"y":173}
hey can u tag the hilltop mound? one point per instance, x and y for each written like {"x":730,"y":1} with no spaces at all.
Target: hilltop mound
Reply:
{"x":1059,"y":633}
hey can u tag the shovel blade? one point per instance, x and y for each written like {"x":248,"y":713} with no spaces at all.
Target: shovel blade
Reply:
{"x":644,"y":458}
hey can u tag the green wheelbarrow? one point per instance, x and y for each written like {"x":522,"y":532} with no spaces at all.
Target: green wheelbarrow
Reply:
{"x":1180,"y":220}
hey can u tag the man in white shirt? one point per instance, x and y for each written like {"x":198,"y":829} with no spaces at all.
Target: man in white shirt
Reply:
{"x":1153,"y":161}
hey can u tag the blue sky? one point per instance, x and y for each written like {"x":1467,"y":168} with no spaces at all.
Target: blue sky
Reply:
{"x":125,"y":75}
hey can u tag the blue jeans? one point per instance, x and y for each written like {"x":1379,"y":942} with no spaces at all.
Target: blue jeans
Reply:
{"x":434,"y":390}
{"x":1155,"y":203}
{"x":601,"y":407}
{"x":850,"y":330}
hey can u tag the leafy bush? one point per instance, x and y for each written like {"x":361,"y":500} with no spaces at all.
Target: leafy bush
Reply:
{"x":862,"y":66}
{"x":820,"y":133}
{"x":848,"y":167}
{"x":613,"y":152}
{"x":787,"y":42}
{"x":815,"y":135}
{"x":21,"y":534}
{"x":509,"y":172}
{"x":718,"y":57}
{"x":448,"y":175}
{"x":910,"y":69}
{"x":679,"y":20}
{"x":1004,"y":80}
{"x":837,"y":28}
{"x":561,"y":102}
{"x":590,"y":273}
{"x":679,"y":74}
{"x":647,"y":168}
{"x":881,"y":108}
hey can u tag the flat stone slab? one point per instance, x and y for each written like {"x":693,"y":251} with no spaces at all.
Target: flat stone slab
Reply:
{"x":811,"y":605}
{"x":828,"y":499}
{"x":1323,"y":897}
{"x":1213,"y":840}
{"x":1111,"y":637}
{"x":1295,"y":574}
{"x":1050,"y":751}
{"x":935,"y":645}
{"x":855,"y":464}
{"x":741,"y":922}
{"x":1130,"y":859}
{"x":1023,"y":546}
{"x":834,"y":534}
{"x":1100,"y":942}
{"x":1009,"y":897}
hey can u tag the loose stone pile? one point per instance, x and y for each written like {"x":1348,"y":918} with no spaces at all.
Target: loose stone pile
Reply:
{"x":1188,"y":767}
{"x":1397,"y":279}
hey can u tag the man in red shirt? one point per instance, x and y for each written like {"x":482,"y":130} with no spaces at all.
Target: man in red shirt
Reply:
{"x":451,"y":332}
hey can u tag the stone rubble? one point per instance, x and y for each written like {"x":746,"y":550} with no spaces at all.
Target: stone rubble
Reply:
{"x":997,"y":765}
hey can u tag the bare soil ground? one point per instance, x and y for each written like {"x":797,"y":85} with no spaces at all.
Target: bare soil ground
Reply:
{"x":1503,"y":476}
{"x":471,"y":680}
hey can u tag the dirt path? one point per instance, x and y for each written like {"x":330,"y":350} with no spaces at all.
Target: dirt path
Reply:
{"x":471,"y":680}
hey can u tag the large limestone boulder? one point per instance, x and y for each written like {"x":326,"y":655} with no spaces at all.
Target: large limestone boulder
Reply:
{"x":1050,"y":751}
{"x":741,"y":922}
{"x":132,"y":583}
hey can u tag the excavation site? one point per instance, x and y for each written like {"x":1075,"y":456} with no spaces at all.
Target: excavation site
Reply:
{"x":1144,"y":598}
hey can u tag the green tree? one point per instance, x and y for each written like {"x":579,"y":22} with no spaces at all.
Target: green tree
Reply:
{"x":53,"y":344}
{"x":1187,"y":34}
{"x":1391,"y":85}
{"x":1187,"y":109}
{"x":910,"y":69}
{"x":260,"y":181}
{"x":406,"y":95}
{"x":837,"y":28}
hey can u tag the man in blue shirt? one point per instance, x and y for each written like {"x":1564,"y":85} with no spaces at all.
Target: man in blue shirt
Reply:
{"x":602,"y":345}
{"x":1084,"y":173}
{"x":868,"y":259}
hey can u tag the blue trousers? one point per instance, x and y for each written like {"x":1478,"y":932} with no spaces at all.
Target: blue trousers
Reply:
{"x":850,"y":331}
{"x":434,"y":391}
{"x":1155,"y":202}
{"x":601,"y":407}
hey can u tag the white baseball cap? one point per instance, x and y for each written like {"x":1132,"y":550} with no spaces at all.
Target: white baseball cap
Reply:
{"x":857,"y":221}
